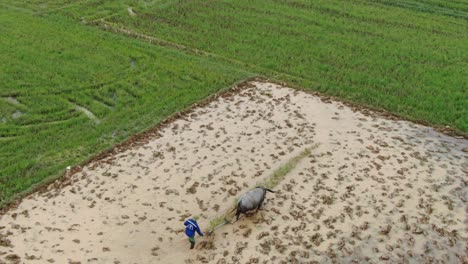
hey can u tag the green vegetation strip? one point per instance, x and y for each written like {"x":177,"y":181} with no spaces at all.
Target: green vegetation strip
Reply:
{"x":279,"y":174}
{"x":270,"y":182}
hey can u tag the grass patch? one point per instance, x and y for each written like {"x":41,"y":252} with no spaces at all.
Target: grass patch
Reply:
{"x":216,"y":221}
{"x":279,"y":174}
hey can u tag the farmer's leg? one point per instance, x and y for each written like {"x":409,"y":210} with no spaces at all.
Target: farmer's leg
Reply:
{"x":192,"y":242}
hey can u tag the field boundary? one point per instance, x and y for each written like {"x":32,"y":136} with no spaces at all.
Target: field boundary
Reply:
{"x":138,"y":139}
{"x":118,"y":29}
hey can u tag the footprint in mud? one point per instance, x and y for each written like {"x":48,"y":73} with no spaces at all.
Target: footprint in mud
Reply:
{"x":207,"y":245}
{"x":262,"y":235}
{"x":193,"y":188}
{"x":247,"y":232}
{"x":240,"y":246}
{"x":265,"y":247}
{"x":154,"y":251}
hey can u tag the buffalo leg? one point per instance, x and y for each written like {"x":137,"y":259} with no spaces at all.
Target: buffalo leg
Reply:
{"x":260,"y":205}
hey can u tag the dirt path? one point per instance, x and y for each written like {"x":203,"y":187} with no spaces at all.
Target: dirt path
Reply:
{"x":374,"y":189}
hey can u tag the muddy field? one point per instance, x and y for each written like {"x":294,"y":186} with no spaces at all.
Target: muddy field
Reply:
{"x":374,"y":189}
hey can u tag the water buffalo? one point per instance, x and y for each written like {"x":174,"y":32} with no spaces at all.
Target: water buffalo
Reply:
{"x":251,"y":200}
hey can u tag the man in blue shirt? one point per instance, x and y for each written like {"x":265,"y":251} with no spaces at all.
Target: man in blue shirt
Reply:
{"x":190,"y":229}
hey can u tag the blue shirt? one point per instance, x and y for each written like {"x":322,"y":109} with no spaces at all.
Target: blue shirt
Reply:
{"x":192,"y":227}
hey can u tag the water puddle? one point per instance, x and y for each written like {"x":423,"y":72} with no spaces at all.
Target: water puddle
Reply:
{"x":131,"y":12}
{"x":88,"y":113}
{"x":12,"y":100}
{"x":16,"y":114}
{"x":133,"y":63}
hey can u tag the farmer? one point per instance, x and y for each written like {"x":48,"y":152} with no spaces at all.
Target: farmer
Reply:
{"x":191,"y":227}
